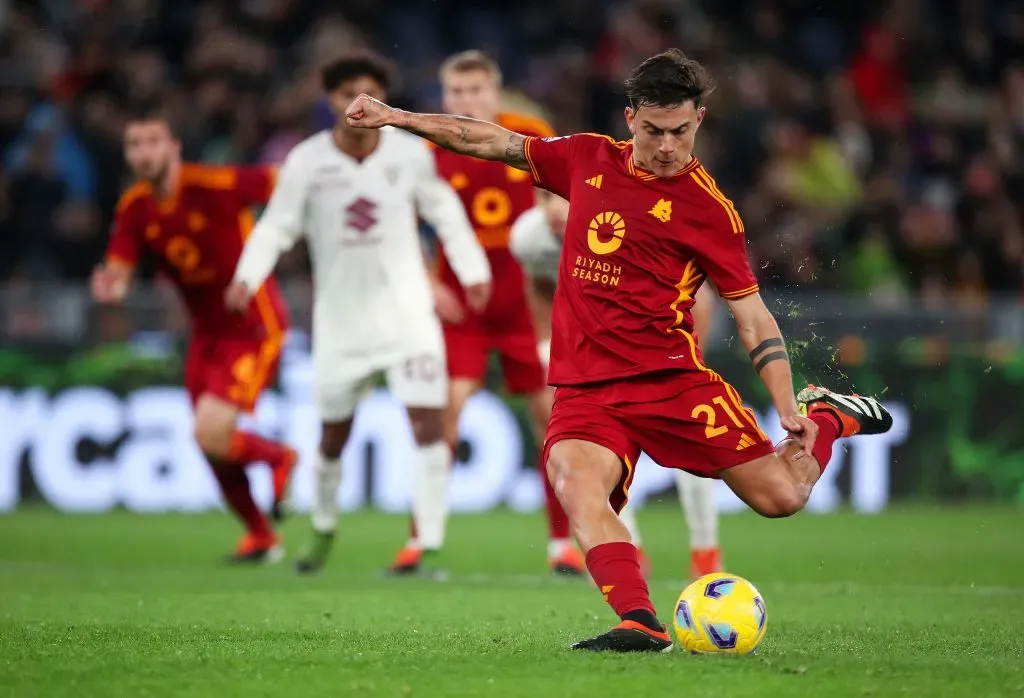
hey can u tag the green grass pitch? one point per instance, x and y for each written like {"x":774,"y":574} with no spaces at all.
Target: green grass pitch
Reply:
{"x":915,"y":602}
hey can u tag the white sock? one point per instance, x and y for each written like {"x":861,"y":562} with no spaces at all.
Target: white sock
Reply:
{"x":430,"y":494}
{"x":628,"y":519}
{"x":326,"y":479}
{"x":697,"y":495}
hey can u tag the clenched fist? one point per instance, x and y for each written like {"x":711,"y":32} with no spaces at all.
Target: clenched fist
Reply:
{"x":108,"y":284}
{"x":237,"y":297}
{"x":477,"y":296}
{"x":367,"y":112}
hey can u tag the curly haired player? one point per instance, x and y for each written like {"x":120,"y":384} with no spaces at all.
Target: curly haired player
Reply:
{"x":494,"y":196}
{"x":354,"y":196}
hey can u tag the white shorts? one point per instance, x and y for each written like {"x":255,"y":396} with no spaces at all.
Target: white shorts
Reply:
{"x":417,"y":374}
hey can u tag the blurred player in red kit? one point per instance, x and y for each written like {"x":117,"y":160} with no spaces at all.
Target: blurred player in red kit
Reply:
{"x":494,"y":195}
{"x":194,"y":220}
{"x":647,"y":225}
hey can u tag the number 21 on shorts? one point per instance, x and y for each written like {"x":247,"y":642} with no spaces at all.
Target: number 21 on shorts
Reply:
{"x":708,"y":413}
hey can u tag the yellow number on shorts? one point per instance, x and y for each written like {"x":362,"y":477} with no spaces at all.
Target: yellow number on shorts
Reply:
{"x":720,"y":401}
{"x":708,"y":413}
{"x":244,"y":368}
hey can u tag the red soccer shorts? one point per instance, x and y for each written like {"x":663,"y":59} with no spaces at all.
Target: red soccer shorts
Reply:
{"x":234,"y":369}
{"x":469,"y":343}
{"x":692,"y":421}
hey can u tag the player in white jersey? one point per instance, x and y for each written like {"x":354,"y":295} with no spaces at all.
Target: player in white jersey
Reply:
{"x":536,"y":240}
{"x":354,"y":195}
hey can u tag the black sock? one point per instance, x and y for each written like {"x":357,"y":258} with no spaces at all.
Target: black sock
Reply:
{"x":644,"y":618}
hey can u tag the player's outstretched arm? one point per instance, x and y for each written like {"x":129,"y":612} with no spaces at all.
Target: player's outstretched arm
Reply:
{"x":440,"y":206}
{"x":481,"y":139}
{"x":277,"y":231}
{"x":761,"y":336}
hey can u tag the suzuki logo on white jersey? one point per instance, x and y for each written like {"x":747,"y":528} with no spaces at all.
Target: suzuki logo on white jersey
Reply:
{"x":361,"y":215}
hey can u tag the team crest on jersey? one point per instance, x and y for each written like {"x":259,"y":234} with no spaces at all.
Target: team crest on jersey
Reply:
{"x":662,"y":210}
{"x":391,"y":173}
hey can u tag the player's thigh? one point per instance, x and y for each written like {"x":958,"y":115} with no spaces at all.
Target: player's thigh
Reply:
{"x":420,"y":382}
{"x":695,"y":422}
{"x":215,"y":420}
{"x":466,"y":348}
{"x":587,"y":450}
{"x":238,"y":370}
{"x":340,"y":383}
{"x":459,"y":392}
{"x":227,"y":380}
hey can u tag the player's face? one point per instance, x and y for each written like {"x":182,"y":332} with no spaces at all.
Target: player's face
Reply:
{"x":150,"y":148}
{"x":346,"y":93}
{"x":472,"y":93}
{"x":663,"y":136}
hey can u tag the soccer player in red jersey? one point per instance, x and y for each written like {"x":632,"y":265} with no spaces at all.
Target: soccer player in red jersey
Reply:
{"x":495,"y":195}
{"x":194,"y":220}
{"x":537,"y":243}
{"x":647,"y":225}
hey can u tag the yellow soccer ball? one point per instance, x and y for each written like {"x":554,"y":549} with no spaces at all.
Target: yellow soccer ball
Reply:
{"x":720,"y":614}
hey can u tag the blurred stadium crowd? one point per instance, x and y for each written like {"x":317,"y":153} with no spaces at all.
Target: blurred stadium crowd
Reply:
{"x":871,"y":147}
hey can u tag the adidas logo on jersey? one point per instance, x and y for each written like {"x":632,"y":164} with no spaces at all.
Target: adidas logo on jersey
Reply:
{"x":595,"y":181}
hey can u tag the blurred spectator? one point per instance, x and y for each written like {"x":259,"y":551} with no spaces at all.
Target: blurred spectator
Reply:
{"x":46,"y":136}
{"x":873,"y":147}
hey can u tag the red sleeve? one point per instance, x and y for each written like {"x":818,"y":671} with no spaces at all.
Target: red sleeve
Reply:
{"x":255,"y":184}
{"x":125,"y":244}
{"x":550,"y":161}
{"x":723,"y":251}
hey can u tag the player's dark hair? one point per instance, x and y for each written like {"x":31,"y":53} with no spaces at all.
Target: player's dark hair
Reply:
{"x":147,"y":112}
{"x":351,"y":67}
{"x":668,"y":80}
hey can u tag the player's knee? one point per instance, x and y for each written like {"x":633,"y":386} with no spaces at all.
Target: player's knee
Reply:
{"x":576,"y":488}
{"x":213,"y":437}
{"x":332,"y":440}
{"x":214,"y":425}
{"x":450,"y":433}
{"x":781,"y":503}
{"x":331,"y":448}
{"x":428,"y":426}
